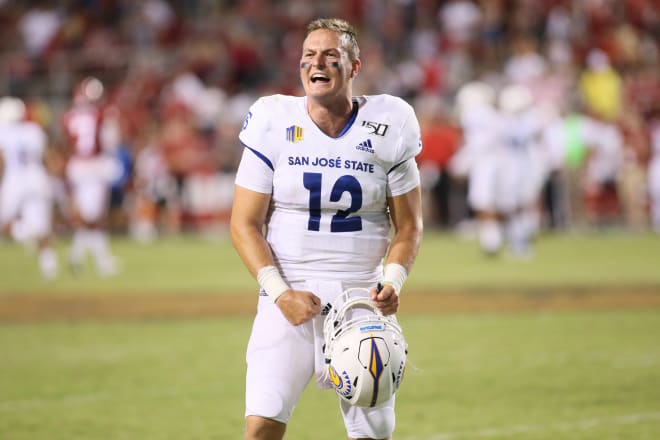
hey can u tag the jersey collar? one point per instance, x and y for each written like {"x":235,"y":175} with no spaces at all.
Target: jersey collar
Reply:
{"x":352,"y":119}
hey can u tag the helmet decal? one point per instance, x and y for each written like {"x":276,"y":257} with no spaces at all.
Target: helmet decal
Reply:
{"x":371,"y":327}
{"x":342,"y":383}
{"x":399,"y":374}
{"x":375,"y":368}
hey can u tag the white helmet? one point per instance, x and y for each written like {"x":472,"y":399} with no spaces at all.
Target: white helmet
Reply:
{"x":365,"y":350}
{"x":12,"y":109}
{"x":474,"y":94}
{"x":515,"y":99}
{"x":89,"y":90}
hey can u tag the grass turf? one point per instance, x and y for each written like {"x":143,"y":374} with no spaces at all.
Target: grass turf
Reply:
{"x":194,"y":265}
{"x":532,"y":375}
{"x":540,"y":376}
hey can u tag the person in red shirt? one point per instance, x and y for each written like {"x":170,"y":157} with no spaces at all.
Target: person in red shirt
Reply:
{"x":441,"y":139}
{"x":89,"y":173}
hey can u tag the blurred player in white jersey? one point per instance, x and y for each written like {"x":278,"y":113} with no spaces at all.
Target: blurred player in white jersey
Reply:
{"x":525,"y":168}
{"x":654,"y":174}
{"x":322,"y":179}
{"x":502,"y":159}
{"x":25,"y":195}
{"x":479,"y":159}
{"x":89,"y":172}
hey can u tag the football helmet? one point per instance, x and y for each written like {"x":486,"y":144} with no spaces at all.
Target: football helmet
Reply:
{"x":473,"y":95}
{"x":515,"y":99}
{"x":12,"y":110}
{"x":88,"y":91}
{"x":364,"y":350}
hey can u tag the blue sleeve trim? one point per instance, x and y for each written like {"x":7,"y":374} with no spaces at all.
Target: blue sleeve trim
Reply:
{"x":261,"y":156}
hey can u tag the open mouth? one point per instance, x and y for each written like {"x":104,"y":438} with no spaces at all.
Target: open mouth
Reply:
{"x":318,"y":77}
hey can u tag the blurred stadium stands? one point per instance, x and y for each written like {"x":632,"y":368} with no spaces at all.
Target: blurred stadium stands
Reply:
{"x":180,"y":76}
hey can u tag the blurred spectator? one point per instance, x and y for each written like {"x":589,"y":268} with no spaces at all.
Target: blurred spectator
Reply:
{"x":559,"y":23}
{"x":601,"y":86}
{"x":584,"y":155}
{"x":38,"y":28}
{"x":440,"y":140}
{"x":118,"y":146}
{"x":602,"y":174}
{"x":187,"y":150}
{"x":632,"y":181}
{"x":156,"y":206}
{"x":493,"y":33}
{"x":460,"y":23}
{"x":155,"y":20}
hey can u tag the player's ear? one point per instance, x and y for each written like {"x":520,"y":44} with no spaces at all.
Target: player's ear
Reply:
{"x":356,"y":65}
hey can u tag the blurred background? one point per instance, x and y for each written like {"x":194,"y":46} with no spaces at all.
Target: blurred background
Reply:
{"x":179,"y":76}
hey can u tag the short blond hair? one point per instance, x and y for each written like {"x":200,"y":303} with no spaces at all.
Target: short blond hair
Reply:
{"x":345,"y":29}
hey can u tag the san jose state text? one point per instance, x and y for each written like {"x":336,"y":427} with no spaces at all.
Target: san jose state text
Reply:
{"x":334,"y":162}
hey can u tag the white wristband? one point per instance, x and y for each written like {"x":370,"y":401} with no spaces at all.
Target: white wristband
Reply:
{"x":271,"y":281}
{"x":395,"y":275}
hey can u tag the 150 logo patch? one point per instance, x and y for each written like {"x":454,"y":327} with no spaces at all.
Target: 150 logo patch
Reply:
{"x":376,"y":127}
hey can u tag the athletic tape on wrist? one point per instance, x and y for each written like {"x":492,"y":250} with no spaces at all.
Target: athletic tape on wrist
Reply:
{"x":395,"y":275}
{"x":271,"y":281}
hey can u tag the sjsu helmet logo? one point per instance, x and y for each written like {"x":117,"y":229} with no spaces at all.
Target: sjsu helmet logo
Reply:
{"x":342,"y":383}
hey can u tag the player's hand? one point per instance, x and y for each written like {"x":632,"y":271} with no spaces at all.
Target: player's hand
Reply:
{"x":386,"y":300}
{"x":299,"y":306}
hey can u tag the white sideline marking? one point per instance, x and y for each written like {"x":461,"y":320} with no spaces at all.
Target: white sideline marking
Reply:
{"x":526,"y":429}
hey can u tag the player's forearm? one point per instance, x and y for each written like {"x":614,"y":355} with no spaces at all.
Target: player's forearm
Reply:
{"x":401,"y":257}
{"x":252,"y":247}
{"x":246,"y":228}
{"x":406,"y":214}
{"x":405,"y":245}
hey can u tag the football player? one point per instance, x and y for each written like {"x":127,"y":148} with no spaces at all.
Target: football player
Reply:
{"x":654,"y":175}
{"x":524,"y":168}
{"x":26,"y":200}
{"x":90,"y":172}
{"x":479,"y":159}
{"x":322,"y":180}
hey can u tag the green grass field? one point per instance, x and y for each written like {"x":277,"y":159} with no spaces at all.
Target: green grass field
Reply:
{"x":574,"y":375}
{"x":538,"y":375}
{"x":193,"y":265}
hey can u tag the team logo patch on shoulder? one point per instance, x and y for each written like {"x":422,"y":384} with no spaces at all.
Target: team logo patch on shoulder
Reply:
{"x":294,"y":133}
{"x":376,"y":128}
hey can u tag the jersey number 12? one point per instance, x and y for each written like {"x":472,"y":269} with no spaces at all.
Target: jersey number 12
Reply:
{"x":341,"y":222}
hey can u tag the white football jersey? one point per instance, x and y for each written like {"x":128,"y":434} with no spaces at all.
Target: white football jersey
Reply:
{"x":22,"y":146}
{"x":328,"y":217}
